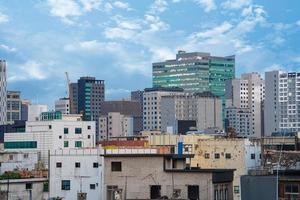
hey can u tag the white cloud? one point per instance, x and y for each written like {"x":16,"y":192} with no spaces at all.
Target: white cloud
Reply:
{"x":92,"y":46}
{"x":155,"y":23}
{"x":122,"y":5}
{"x":297,"y":59}
{"x":228,"y":37}
{"x":64,"y":8}
{"x":208,"y":5}
{"x":236,"y":4}
{"x":158,"y":6}
{"x":28,"y":71}
{"x":273,"y":67}
{"x":7,"y":48}
{"x":298,"y":22}
{"x":89,"y":5}
{"x":3,"y":18}
{"x":116,"y":32}
{"x":218,"y":30}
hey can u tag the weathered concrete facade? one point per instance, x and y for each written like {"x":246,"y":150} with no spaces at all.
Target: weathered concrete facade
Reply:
{"x":145,"y":176}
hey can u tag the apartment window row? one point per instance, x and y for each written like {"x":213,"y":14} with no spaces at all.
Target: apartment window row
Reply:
{"x":77,"y":130}
{"x":77,"y":165}
{"x":217,"y":155}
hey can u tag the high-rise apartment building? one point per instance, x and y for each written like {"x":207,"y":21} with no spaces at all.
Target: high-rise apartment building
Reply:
{"x":137,"y":96}
{"x":246,"y":93}
{"x":86,"y":98}
{"x":203,"y":108}
{"x":282,"y":103}
{"x":63,"y":105}
{"x":195,"y":72}
{"x":115,"y":124}
{"x":152,"y":106}
{"x":73,"y":95}
{"x":24,"y":109}
{"x":87,"y":95}
{"x":127,"y":108}
{"x":3,"y":92}
{"x":13,"y":107}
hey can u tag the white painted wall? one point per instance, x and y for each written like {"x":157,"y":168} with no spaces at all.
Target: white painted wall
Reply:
{"x":80,"y":178}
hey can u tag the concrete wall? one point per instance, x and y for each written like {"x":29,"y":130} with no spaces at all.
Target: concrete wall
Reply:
{"x":80,"y":178}
{"x":139,"y":173}
{"x":17,"y":189}
{"x":240,"y":151}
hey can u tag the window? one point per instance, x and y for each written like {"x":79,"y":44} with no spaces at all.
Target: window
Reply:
{"x":217,"y":155}
{"x":92,"y":186}
{"x":89,"y":127}
{"x":60,"y":137}
{"x":291,"y":191}
{"x":78,"y":144}
{"x":58,"y":165}
{"x":66,"y":130}
{"x":116,"y":166}
{"x":20,"y":145}
{"x":206,"y":155}
{"x":228,"y":156}
{"x":65,"y":185}
{"x":95,"y":165}
{"x":236,"y":189}
{"x":77,"y":130}
{"x":252,"y":156}
{"x":77,"y":164}
{"x":11,"y":157}
{"x":89,"y":136}
{"x":50,"y":127}
{"x":66,"y":143}
{"x":26,"y":155}
{"x":28,"y":186}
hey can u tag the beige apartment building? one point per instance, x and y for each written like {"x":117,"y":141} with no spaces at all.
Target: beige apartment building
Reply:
{"x":215,"y":152}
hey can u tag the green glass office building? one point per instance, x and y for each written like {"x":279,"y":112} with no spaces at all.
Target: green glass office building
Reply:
{"x":195,"y":72}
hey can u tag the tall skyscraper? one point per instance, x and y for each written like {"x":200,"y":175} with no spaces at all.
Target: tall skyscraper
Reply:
{"x":282,"y":102}
{"x":86,"y":97}
{"x":245,"y":95}
{"x":195,"y":72}
{"x":13,"y":106}
{"x":90,"y":97}
{"x":73,"y":95}
{"x":3,"y":92}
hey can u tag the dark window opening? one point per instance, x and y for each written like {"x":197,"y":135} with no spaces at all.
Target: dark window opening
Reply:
{"x":116,"y":166}
{"x":155,"y":191}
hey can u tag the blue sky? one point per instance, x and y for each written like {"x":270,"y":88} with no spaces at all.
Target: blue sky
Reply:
{"x":118,"y":40}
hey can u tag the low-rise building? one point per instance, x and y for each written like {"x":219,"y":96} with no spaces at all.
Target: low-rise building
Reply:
{"x":57,"y":131}
{"x":76,"y":173}
{"x":34,"y":111}
{"x":241,"y":154}
{"x":154,"y":176}
{"x":28,"y":188}
{"x":18,"y":160}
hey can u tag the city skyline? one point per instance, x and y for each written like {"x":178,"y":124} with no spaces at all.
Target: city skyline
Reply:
{"x":119,"y":40}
